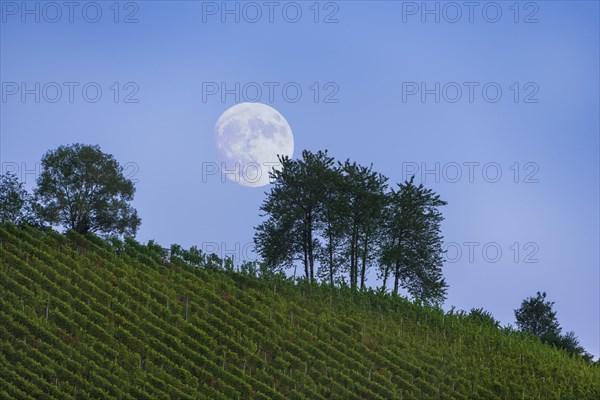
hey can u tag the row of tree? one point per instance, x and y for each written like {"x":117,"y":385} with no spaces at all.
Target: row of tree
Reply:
{"x":340,"y":219}
{"x":80,"y":188}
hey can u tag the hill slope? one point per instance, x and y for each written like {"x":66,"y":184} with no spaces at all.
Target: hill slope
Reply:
{"x":81,"y":318}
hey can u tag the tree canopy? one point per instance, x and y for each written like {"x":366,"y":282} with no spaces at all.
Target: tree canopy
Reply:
{"x":84,"y":189}
{"x":15,"y":201}
{"x":412,"y":243}
{"x":339,"y":220}
{"x":536,"y":316}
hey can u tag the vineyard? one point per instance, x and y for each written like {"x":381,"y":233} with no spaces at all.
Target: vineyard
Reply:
{"x":85,"y":318}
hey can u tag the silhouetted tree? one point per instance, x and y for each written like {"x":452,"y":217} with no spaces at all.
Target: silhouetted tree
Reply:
{"x":364,"y":192}
{"x":483,"y":316}
{"x":569,"y":342}
{"x":84,"y":189}
{"x":536,"y":316}
{"x":277,"y":241}
{"x":333,"y":225}
{"x":16,"y":204}
{"x":412,"y":246}
{"x":294,"y":207}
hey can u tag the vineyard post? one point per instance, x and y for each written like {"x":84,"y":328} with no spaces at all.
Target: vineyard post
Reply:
{"x":186,"y":306}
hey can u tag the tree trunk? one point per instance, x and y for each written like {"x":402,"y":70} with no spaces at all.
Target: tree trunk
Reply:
{"x":396,"y":276}
{"x":311,"y":255}
{"x":364,"y":263}
{"x":397,"y":266}
{"x":305,"y":248}
{"x":354,"y":262}
{"x":330,"y":257}
{"x":386,"y":271}
{"x":352,"y":251}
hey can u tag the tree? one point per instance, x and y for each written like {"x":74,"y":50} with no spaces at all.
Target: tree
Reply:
{"x":84,"y":189}
{"x":483,"y":317}
{"x":365,"y":199}
{"x":568,"y":342}
{"x":412,"y":246}
{"x":333,"y":224}
{"x":276,"y":241}
{"x":535,"y":316}
{"x":16,"y":204}
{"x":294,"y":207}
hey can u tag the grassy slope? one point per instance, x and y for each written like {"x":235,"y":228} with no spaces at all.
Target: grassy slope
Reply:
{"x":81,"y":321}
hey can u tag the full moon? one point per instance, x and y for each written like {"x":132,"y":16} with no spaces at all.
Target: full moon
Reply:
{"x":249,"y":137}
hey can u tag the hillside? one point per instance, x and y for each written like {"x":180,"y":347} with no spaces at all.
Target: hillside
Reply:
{"x":82,"y":318}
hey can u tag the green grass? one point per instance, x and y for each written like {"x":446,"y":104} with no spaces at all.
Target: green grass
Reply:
{"x":80,"y":319}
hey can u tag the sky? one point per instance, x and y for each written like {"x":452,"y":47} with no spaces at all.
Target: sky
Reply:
{"x":493,"y":105}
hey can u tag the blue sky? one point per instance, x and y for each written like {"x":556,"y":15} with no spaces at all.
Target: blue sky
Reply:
{"x":541,"y":134}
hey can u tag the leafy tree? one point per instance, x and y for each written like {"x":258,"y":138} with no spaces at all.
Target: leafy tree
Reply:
{"x":412,"y":247}
{"x":84,"y":189}
{"x":569,"y":342}
{"x":294,"y":207}
{"x":276,"y":240}
{"x":364,"y":190}
{"x":16,"y":204}
{"x":536,"y":316}
{"x":333,"y":225}
{"x":483,"y":316}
